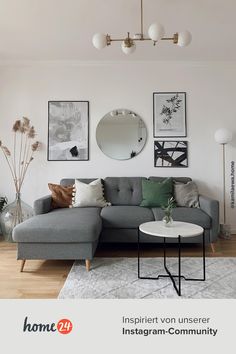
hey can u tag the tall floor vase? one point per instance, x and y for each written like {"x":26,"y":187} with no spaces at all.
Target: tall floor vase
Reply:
{"x":12,"y":215}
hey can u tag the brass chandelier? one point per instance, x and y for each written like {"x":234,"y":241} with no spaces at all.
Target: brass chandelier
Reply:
{"x":156,"y":33}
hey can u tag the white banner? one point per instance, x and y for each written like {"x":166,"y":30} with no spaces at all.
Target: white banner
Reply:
{"x":117,"y":326}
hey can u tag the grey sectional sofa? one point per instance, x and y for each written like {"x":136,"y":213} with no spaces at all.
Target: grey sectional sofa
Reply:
{"x":75,"y":233}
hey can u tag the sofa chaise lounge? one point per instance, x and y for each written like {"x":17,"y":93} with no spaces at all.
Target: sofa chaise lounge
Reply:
{"x":74,"y":233}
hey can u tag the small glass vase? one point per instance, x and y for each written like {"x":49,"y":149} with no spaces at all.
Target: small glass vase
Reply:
{"x":14,"y":214}
{"x":167,"y":220}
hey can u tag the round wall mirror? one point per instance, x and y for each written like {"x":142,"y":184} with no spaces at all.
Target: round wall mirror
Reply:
{"x":121,"y":134}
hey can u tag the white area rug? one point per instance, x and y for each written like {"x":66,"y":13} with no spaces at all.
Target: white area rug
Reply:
{"x":117,"y":278}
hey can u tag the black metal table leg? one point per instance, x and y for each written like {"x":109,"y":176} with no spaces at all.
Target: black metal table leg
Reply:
{"x":164,"y":252}
{"x":169,"y":274}
{"x":179,"y":241}
{"x":138,"y":254}
{"x":204,"y":256}
{"x":203,"y":262}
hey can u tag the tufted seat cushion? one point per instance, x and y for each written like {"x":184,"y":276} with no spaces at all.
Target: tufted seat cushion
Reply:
{"x":125,"y":216}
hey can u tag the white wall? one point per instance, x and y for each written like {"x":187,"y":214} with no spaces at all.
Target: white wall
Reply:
{"x":25,"y":90}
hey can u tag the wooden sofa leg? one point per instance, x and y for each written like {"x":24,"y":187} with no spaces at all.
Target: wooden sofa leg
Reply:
{"x":22,"y":265}
{"x":213,"y":248}
{"x":87,"y":263}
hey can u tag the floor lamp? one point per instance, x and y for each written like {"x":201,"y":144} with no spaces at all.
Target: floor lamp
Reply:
{"x":223,"y":137}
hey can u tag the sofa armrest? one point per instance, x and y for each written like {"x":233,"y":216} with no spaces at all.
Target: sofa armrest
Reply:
{"x":211,"y":207}
{"x":42,"y":205}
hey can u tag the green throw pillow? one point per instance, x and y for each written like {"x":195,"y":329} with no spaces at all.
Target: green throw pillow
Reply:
{"x":156,"y":194}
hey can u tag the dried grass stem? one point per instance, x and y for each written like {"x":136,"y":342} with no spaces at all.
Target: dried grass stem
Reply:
{"x":23,"y":150}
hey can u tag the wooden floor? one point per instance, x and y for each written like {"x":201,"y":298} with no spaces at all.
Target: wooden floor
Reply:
{"x":44,"y":279}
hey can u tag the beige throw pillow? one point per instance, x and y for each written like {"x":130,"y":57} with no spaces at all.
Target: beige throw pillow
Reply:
{"x":186,"y":194}
{"x":88,"y":195}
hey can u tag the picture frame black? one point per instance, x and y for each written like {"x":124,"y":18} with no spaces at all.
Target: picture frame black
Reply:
{"x":68,"y":130}
{"x":169,"y":115}
{"x":171,"y":153}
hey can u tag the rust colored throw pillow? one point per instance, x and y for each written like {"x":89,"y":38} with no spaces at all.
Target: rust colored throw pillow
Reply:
{"x":61,"y":196}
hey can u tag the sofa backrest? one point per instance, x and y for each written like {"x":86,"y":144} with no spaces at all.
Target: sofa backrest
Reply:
{"x":123,"y":190}
{"x":177,"y":179}
{"x":71,"y":181}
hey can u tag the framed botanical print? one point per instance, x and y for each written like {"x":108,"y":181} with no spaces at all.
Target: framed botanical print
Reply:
{"x":68,"y":130}
{"x":170,"y":153}
{"x":169,"y":114}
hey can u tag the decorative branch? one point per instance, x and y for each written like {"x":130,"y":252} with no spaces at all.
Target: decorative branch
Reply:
{"x":168,"y":111}
{"x":19,"y":162}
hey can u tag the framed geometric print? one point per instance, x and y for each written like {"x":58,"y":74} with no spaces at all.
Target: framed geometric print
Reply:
{"x":170,"y":153}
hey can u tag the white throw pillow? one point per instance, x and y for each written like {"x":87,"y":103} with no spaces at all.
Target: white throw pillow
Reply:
{"x":88,"y":195}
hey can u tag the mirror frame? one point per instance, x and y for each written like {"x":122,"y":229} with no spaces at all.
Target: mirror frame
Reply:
{"x":122,"y":112}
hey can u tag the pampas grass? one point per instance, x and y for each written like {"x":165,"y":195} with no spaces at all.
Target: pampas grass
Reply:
{"x":23,"y":150}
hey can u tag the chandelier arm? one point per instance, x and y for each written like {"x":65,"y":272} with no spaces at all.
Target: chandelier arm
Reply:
{"x":167,"y":39}
{"x":117,"y":40}
{"x":142,"y":39}
{"x":149,"y":39}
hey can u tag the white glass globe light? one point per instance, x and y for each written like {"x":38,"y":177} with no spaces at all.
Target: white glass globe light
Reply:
{"x":184,"y":38}
{"x":156,"y":31}
{"x":223,"y":136}
{"x":99,"y":40}
{"x":128,"y":50}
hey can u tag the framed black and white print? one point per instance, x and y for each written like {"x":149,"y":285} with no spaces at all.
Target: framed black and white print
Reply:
{"x":68,"y":130}
{"x":169,"y":114}
{"x":170,"y":153}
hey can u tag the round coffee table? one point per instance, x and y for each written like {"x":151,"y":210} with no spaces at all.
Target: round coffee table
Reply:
{"x":177,"y":230}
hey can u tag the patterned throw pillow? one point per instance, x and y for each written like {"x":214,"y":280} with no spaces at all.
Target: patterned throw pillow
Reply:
{"x":186,"y":194}
{"x":61,"y":195}
{"x":88,"y":195}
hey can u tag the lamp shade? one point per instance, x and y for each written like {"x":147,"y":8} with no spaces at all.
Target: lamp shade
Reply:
{"x":128,"y":50}
{"x":99,"y":40}
{"x":184,"y":38}
{"x":156,"y":32}
{"x":223,"y":136}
